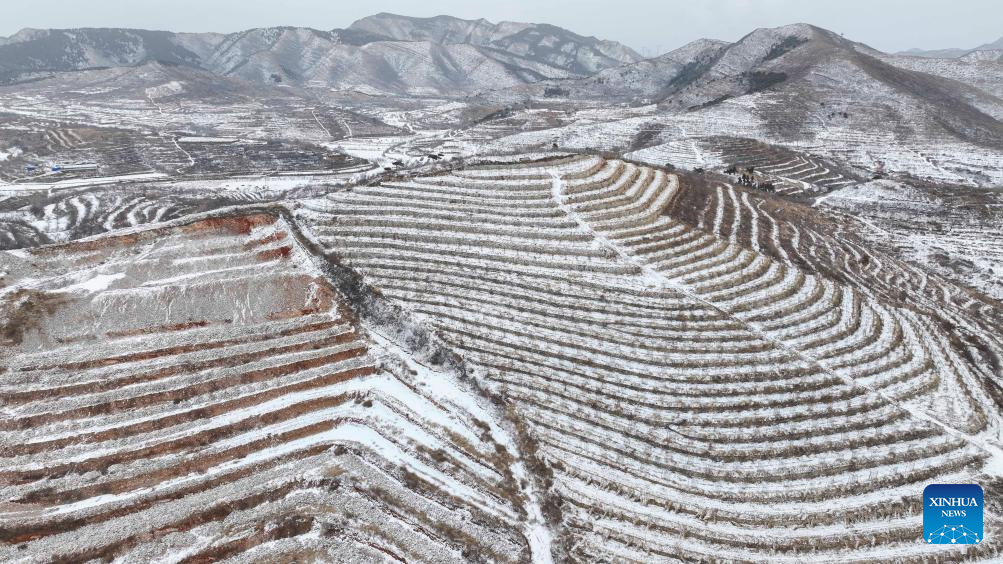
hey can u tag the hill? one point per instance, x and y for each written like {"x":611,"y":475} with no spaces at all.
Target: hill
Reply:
{"x":429,"y":290}
{"x":542,"y":43}
{"x":528,"y":358}
{"x":179,"y":419}
{"x":800,"y":87}
{"x":384,"y":54}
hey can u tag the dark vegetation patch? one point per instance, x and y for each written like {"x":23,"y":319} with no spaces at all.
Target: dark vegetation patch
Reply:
{"x":785,"y":46}
{"x":709,"y":103}
{"x":646,"y":136}
{"x":761,"y":80}
{"x":502,"y":113}
{"x":226,"y":158}
{"x":689,"y":73}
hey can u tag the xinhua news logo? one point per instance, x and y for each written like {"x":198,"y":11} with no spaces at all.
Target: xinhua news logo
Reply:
{"x":952,"y":514}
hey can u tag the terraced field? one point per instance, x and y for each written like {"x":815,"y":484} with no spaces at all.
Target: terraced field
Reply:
{"x":709,"y":374}
{"x":793,"y":172}
{"x":112,"y":151}
{"x":30,"y":219}
{"x":201,"y":391}
{"x":542,"y":356}
{"x":479,"y":292}
{"x":222,"y":157}
{"x":952,"y":229}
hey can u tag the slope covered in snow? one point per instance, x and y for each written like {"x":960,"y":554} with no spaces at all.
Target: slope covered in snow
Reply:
{"x":538,"y":42}
{"x":386,"y":53}
{"x":711,"y":374}
{"x":437,"y":290}
{"x":202,"y":391}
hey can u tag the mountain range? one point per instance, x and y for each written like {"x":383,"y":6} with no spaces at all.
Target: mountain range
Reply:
{"x":444,"y":56}
{"x":378,"y":54}
{"x":953,"y":53}
{"x":797,"y":84}
{"x":807,"y":76}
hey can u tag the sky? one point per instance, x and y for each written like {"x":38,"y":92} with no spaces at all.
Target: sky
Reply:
{"x":651,"y":27}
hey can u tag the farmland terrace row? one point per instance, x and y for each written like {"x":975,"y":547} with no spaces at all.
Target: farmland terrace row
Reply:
{"x":44,"y":217}
{"x":701,"y":387}
{"x":793,"y":172}
{"x":201,"y":390}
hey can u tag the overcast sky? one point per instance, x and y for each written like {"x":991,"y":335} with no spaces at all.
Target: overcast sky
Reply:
{"x":650,"y":26}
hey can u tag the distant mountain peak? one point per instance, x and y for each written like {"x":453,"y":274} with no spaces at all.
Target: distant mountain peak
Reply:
{"x":953,"y":52}
{"x":543,"y":43}
{"x":25,"y":34}
{"x":446,"y":55}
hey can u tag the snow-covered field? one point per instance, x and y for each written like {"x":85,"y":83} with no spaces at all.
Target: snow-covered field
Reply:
{"x":233,"y":377}
{"x":207,"y":139}
{"x":956,"y":234}
{"x":324,"y":323}
{"x":582,"y":291}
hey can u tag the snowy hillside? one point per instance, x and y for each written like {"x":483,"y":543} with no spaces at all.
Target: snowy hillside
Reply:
{"x":538,"y":42}
{"x":390,"y":54}
{"x":443,"y":290}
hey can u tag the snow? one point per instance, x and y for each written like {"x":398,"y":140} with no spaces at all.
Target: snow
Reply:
{"x":95,"y":284}
{"x":207,"y":139}
{"x":171,"y":88}
{"x":12,"y":152}
{"x":443,"y":387}
{"x":82,"y":182}
{"x":612,"y":329}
